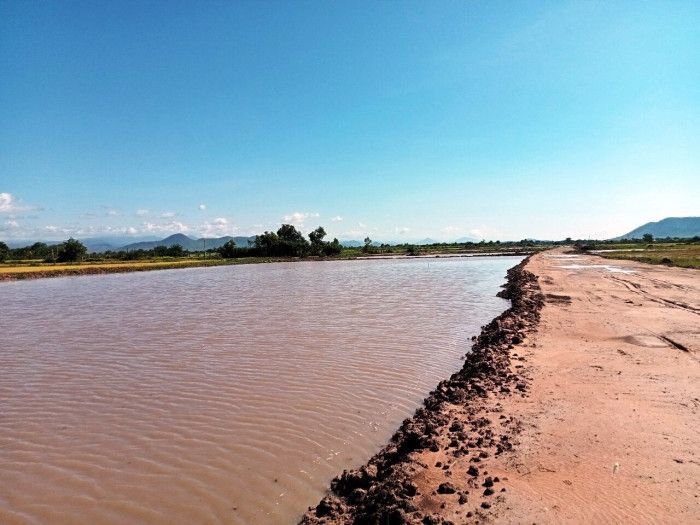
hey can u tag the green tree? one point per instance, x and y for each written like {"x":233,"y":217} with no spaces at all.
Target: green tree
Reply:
{"x":228,"y":250}
{"x":176,"y":250}
{"x":368,"y":245}
{"x":292,"y":241}
{"x":267,"y":243}
{"x":316,"y":238}
{"x":4,"y":251}
{"x":648,"y":237}
{"x":71,"y":251}
{"x":332,"y":248}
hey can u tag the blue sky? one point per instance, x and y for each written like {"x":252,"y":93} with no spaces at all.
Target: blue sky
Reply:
{"x":397,"y":120}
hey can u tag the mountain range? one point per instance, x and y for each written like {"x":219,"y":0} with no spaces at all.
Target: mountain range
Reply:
{"x":682,"y":227}
{"x":190,"y":244}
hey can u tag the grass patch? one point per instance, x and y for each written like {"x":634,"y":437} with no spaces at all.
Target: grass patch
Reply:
{"x":34,"y":269}
{"x":684,"y":255}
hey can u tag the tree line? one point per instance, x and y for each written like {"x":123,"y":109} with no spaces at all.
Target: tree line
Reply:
{"x":71,"y":250}
{"x":286,"y":242}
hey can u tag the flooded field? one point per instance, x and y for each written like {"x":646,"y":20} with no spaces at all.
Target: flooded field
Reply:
{"x":220,"y":395}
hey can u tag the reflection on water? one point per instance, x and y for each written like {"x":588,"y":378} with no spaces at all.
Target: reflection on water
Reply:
{"x":227,"y":394}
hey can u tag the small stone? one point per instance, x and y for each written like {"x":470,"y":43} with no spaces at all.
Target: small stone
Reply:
{"x":446,"y":488}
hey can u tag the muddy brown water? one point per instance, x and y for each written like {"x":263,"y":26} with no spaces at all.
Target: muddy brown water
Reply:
{"x":220,"y":395}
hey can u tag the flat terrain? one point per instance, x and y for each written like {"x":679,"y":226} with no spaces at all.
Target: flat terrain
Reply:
{"x":685,"y":255}
{"x":611,"y":429}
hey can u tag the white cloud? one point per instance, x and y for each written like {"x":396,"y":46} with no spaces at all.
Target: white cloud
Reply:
{"x":452,"y":230}
{"x":165,"y":227}
{"x":359,"y":232}
{"x":337,"y":218}
{"x":401,"y":231}
{"x":298,"y":218}
{"x":218,"y":227}
{"x":142,"y":212}
{"x":15,"y":230}
{"x":168,"y":214}
{"x":485,"y":233}
{"x":112,"y":213}
{"x":482,"y":232}
{"x":8,"y":204}
{"x":202,"y":207}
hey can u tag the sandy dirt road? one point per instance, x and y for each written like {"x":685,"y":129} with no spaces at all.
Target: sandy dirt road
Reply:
{"x":611,"y":422}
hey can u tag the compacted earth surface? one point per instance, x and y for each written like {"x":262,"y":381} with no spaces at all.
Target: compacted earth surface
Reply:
{"x":577,"y":405}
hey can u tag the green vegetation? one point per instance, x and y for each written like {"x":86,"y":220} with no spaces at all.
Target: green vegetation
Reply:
{"x":287,"y":243}
{"x":525,"y":246}
{"x":684,"y":253}
{"x":71,"y":258}
{"x":71,"y":251}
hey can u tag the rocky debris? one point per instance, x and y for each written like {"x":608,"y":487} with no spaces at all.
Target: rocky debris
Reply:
{"x":446,"y":488}
{"x":382,"y":491}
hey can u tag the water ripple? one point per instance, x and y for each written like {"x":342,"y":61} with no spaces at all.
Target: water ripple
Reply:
{"x":228,"y":394}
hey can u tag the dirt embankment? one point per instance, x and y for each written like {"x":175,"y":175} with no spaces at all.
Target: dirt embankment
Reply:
{"x":577,"y":405}
{"x":436,"y":466}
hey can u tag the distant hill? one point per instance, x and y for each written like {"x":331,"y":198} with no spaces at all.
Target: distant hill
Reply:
{"x":467,"y":239}
{"x":93,"y":244}
{"x":21,"y":243}
{"x":668,"y":227}
{"x":188,"y":243}
{"x":102,"y":244}
{"x":426,"y":241}
{"x":352,"y":243}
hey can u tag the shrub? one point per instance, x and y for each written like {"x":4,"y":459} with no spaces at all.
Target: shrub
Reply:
{"x":71,"y":251}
